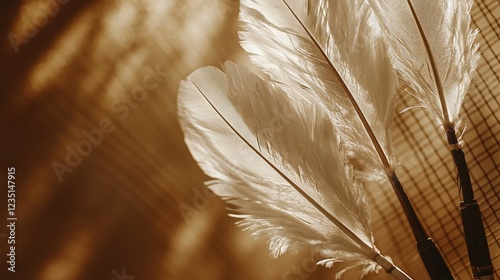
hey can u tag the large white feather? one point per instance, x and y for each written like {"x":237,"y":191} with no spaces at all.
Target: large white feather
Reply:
{"x":276,"y":161}
{"x":433,"y":50}
{"x":325,"y":51}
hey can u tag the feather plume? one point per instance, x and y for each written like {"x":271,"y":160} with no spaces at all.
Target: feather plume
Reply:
{"x":325,"y":51}
{"x":434,"y":53}
{"x":330,"y":52}
{"x":433,"y":49}
{"x":274,"y":159}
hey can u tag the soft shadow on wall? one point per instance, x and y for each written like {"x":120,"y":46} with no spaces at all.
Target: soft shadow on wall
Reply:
{"x":106,"y":188}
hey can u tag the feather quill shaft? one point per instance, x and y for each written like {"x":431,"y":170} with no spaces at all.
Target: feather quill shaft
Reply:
{"x":328,"y":53}
{"x":275,"y":168}
{"x":438,"y":65}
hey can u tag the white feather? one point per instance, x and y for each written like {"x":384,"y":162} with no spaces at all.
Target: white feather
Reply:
{"x":440,"y":73}
{"x":324,"y":51}
{"x":275,"y":160}
{"x":330,"y":52}
{"x":433,"y":49}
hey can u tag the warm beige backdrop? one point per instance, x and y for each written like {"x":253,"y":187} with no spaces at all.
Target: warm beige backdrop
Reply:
{"x":134,"y":203}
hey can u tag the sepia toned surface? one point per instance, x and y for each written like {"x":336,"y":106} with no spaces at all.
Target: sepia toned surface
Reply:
{"x":106,"y":188}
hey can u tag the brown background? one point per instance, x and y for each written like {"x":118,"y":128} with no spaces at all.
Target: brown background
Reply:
{"x":120,"y":209}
